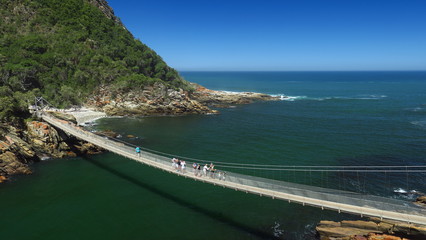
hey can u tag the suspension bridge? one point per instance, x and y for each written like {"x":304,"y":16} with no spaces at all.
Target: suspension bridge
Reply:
{"x":324,"y":198}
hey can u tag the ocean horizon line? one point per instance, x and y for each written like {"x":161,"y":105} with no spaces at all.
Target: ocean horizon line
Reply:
{"x":312,"y":71}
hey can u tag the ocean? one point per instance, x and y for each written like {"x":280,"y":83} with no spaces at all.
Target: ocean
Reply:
{"x":329,"y":118}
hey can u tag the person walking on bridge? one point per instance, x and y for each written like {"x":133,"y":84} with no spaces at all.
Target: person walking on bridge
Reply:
{"x":138,"y":151}
{"x":205,"y":168}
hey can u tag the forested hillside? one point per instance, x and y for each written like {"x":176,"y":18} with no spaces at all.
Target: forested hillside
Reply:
{"x":64,"y":50}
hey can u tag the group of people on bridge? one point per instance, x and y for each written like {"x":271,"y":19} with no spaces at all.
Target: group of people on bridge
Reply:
{"x":199,"y":171}
{"x":179,"y":165}
{"x":208,"y":170}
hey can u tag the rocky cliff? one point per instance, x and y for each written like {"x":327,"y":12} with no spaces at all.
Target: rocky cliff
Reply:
{"x":19,"y":147}
{"x":157,"y":99}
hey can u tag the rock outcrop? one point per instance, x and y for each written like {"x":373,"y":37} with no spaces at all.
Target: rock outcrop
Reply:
{"x":374,"y":229}
{"x":21,"y":147}
{"x":152,"y":100}
{"x":158,"y":99}
{"x":421,"y":201}
{"x":225,"y":99}
{"x":15,"y":153}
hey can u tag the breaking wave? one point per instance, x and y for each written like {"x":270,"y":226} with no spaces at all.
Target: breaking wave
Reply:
{"x":358,"y":97}
{"x":421,"y":124}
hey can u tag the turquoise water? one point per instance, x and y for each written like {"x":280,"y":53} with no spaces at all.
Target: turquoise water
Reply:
{"x":331,"y":118}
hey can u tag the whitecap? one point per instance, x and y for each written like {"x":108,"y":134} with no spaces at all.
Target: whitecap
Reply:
{"x":284,"y":97}
{"x":416,"y":109}
{"x":421,"y":124}
{"x":293,"y":98}
{"x":400,"y":190}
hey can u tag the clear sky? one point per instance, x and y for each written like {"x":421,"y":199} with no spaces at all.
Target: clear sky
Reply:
{"x":281,"y":35}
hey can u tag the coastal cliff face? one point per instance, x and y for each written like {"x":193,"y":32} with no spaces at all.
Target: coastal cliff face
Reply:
{"x":157,"y":99}
{"x":19,"y":147}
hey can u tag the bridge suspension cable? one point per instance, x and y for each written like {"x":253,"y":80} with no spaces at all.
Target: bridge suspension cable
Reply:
{"x":296,"y":168}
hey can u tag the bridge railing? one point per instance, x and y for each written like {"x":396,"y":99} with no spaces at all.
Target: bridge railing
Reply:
{"x":305,"y":191}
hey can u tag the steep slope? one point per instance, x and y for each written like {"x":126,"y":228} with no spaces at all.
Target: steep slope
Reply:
{"x":64,"y":50}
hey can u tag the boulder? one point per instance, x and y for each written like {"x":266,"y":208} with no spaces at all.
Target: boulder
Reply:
{"x":10,"y":165}
{"x":421,"y":200}
{"x":334,"y":230}
{"x":369,"y":225}
{"x":374,"y":229}
{"x":2,"y":179}
{"x":375,"y":236}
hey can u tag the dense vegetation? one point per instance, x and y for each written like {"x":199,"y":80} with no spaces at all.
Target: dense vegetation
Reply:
{"x":63,"y":50}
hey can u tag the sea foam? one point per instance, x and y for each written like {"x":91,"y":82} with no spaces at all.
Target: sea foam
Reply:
{"x":358,"y":97}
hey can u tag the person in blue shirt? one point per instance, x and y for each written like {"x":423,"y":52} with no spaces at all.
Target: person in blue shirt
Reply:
{"x":138,"y":151}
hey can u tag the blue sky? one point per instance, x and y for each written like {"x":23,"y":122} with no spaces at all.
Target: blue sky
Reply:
{"x":281,"y":35}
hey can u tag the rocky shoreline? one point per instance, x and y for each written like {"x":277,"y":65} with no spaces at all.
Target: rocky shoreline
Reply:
{"x":20,"y":146}
{"x":158,"y":99}
{"x":222,"y":99}
{"x":374,"y":229}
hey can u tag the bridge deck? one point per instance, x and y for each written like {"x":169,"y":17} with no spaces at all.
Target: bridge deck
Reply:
{"x":342,"y":201}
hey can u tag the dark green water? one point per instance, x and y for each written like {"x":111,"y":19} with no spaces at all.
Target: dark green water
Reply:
{"x":332,"y":119}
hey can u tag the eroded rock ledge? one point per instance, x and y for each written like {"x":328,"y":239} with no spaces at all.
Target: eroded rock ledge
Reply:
{"x":161,"y":100}
{"x":374,"y":229}
{"x":225,"y":99}
{"x":19,"y":147}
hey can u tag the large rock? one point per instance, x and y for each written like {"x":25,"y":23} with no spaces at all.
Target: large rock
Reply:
{"x":421,"y":201}
{"x":159,"y":99}
{"x":345,"y":230}
{"x":10,"y":165}
{"x":20,"y":147}
{"x":411,"y":231}
{"x":46,"y":139}
{"x":152,"y":100}
{"x":223,"y":99}
{"x":375,"y":229}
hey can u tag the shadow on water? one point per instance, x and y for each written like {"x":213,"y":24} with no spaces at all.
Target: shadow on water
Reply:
{"x":211,"y":214}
